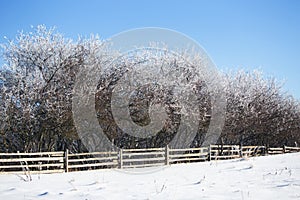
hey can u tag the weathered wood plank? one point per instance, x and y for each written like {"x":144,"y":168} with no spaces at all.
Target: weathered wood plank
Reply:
{"x":56,"y":153}
{"x":188,"y":155}
{"x":275,"y":149}
{"x":226,"y":157}
{"x":150,"y":149}
{"x":93,"y":165}
{"x":224,"y":146}
{"x":32,"y":166}
{"x":59,"y":159}
{"x":143,"y":159}
{"x":187,"y":159}
{"x":144,"y":165}
{"x":93,"y":153}
{"x":143,"y":153}
{"x":293,"y":148}
{"x":190,"y":149}
{"x":34,"y":172}
{"x":92,"y":159}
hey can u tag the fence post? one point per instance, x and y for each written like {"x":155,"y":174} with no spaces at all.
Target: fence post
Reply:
{"x":284,"y":150}
{"x":167,"y":155}
{"x":266,"y":150}
{"x":66,"y":163}
{"x":209,"y":153}
{"x":120,"y":158}
{"x":241,"y":151}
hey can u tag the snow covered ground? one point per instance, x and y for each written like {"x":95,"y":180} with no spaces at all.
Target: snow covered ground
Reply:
{"x":271,"y":177}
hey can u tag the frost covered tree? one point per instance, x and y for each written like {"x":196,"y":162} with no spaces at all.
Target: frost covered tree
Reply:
{"x":37,"y":93}
{"x":175,"y":81}
{"x":258,"y":112}
{"x":37,"y":83}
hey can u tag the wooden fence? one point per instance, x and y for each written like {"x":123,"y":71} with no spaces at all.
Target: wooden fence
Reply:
{"x":53,"y":162}
{"x":46,"y":162}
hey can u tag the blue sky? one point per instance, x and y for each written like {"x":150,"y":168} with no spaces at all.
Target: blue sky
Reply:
{"x":236,"y":34}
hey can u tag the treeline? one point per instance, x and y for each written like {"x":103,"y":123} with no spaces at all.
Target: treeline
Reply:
{"x":36,"y":90}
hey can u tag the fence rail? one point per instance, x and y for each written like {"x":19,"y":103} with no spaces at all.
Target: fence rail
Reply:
{"x":53,"y":162}
{"x":46,"y":162}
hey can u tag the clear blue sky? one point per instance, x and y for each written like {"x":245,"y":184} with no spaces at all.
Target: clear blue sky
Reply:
{"x":236,"y":34}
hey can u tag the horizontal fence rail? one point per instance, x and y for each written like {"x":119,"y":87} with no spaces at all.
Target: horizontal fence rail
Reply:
{"x":188,"y":155}
{"x":54,"y":162}
{"x":221,"y":152}
{"x":90,"y":161}
{"x":47,"y":162}
{"x":250,"y":151}
{"x":134,"y":158}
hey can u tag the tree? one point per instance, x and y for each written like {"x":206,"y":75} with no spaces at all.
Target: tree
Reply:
{"x":258,"y":112}
{"x":37,"y":83}
{"x":42,"y":67}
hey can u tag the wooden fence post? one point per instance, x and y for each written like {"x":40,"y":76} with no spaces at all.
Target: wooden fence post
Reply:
{"x":120,"y":158}
{"x":167,"y":155}
{"x":266,"y":150}
{"x":263,"y":153}
{"x":66,"y":161}
{"x":284,"y":150}
{"x":209,"y":153}
{"x":241,"y":151}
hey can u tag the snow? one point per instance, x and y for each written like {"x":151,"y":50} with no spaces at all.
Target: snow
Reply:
{"x":270,"y":177}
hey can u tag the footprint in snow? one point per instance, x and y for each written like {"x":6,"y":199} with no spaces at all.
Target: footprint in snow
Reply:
{"x":43,"y":194}
{"x":283,"y":185}
{"x":93,"y":183}
{"x":9,"y":190}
